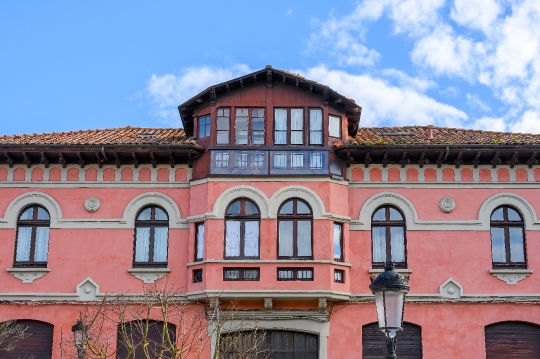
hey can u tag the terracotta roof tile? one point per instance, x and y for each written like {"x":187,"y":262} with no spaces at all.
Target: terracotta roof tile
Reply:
{"x":419,"y":135}
{"x":115,"y":136}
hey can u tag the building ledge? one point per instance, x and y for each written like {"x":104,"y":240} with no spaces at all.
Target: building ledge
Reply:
{"x":270,"y":261}
{"x":405,"y":271}
{"x":149,"y":275}
{"x":511,"y":276}
{"x":28,"y":275}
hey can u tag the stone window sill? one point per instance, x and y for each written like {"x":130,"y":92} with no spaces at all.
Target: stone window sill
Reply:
{"x":28,"y":275}
{"x":405,"y":271}
{"x":149,"y":275}
{"x":511,"y":276}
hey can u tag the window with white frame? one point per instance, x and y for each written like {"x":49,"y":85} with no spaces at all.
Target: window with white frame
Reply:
{"x":334,"y":126}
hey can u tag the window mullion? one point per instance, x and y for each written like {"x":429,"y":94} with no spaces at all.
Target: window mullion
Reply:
{"x":507,"y":244}
{"x":242,"y":234}
{"x":388,"y":244}
{"x":151,"y":244}
{"x":33,"y":243}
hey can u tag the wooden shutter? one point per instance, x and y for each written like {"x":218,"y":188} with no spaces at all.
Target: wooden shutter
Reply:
{"x":155,"y":339}
{"x":409,"y":342}
{"x":512,"y":340}
{"x":38,"y":345}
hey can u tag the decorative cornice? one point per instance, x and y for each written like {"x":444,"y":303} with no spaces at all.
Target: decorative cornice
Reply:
{"x":511,"y":276}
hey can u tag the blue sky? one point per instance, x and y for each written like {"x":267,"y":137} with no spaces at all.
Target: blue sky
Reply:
{"x":68,"y":65}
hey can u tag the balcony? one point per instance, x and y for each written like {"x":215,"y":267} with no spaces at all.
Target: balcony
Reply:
{"x":277,"y":161}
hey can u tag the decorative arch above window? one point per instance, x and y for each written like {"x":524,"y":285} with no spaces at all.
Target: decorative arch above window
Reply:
{"x":388,"y":237}
{"x":32,"y":247}
{"x":242,"y":223}
{"x":295,"y":230}
{"x":507,"y":238}
{"x":151,"y":237}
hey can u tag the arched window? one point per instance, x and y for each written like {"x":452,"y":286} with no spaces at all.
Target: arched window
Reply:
{"x":151,"y":238}
{"x":295,"y":220}
{"x":242,"y":220}
{"x":507,"y":238}
{"x":388,"y":237}
{"x":32,"y":237}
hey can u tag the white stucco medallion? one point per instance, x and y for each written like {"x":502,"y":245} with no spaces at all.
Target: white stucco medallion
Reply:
{"x":92,"y":204}
{"x":447,"y":205}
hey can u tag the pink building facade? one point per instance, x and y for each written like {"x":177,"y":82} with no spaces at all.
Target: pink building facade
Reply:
{"x":274,"y":197}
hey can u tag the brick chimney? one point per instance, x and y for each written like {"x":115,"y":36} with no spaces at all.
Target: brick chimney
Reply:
{"x":430,"y":132}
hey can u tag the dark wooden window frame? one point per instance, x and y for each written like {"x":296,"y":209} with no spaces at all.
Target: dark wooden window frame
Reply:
{"x":295,"y":218}
{"x":250,"y":126}
{"x":242,"y":274}
{"x":340,"y":125}
{"x":152,"y":223}
{"x":342,"y":257}
{"x":506,"y":224}
{"x":305,"y":126}
{"x":242,"y":218}
{"x":295,"y":274}
{"x":388,"y":224}
{"x":342,"y":273}
{"x":34,"y":223}
{"x":197,"y":275}
{"x":196,"y":259}
{"x":229,"y":130}
{"x":209,"y":126}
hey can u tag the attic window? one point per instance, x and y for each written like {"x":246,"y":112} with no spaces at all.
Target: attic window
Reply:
{"x":146,"y":135}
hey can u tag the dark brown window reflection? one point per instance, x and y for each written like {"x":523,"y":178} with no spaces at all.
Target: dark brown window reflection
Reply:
{"x":151,"y":238}
{"x":242,"y":220}
{"x":388,"y":237}
{"x":295,"y":230}
{"x":507,"y":238}
{"x":32,"y":246}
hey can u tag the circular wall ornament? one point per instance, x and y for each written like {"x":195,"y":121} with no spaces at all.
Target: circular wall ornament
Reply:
{"x":87,"y":289}
{"x":451,"y":290}
{"x":447,"y":205}
{"x":92,"y":204}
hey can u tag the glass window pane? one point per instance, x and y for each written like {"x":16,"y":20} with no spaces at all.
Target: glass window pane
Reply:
{"x":304,"y":238}
{"x":517,"y":250}
{"x":251,"y":208}
{"x":223,"y":137}
{"x":142,"y":244}
{"x":241,"y":161}
{"x":257,"y":162}
{"x":315,"y":137}
{"x":395,"y":215}
{"x":42,"y":244}
{"x":232,"y":274}
{"x":161,"y":235}
{"x":27,"y":215}
{"x":397,"y":244}
{"x":24,"y":236}
{"x":498,"y":248}
{"x":235,"y":207}
{"x":378,"y":235}
{"x":513,"y":215}
{"x":297,"y":160}
{"x":258,"y":138}
{"x":337,"y":241}
{"x":315,"y":120}
{"x":161,"y":215}
{"x":497,"y":215}
{"x":296,"y":137}
{"x":302,"y":208}
{"x":145,"y":215}
{"x":287,"y":208}
{"x":200,"y":241}
{"x":334,"y":126}
{"x":380,"y":215}
{"x":42,"y":214}
{"x":232,"y":238}
{"x":297,"y":119}
{"x":251,"y":239}
{"x":222,"y":160}
{"x":315,"y":161}
{"x":258,"y":124}
{"x":223,"y":123}
{"x":280,"y":119}
{"x":285,"y":238}
{"x":280,"y":160}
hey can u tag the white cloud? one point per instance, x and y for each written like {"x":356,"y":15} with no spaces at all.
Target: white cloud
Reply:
{"x":477,"y":14}
{"x":404,"y":80}
{"x":385,"y":104}
{"x":490,"y":124}
{"x":529,"y":123}
{"x":475,"y":102}
{"x":450,"y":91}
{"x":168,"y":91}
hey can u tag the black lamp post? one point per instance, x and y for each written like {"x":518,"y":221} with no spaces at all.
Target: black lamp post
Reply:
{"x":389,"y":289}
{"x":78,"y":338}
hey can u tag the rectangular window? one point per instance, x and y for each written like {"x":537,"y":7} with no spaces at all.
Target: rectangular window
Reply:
{"x":249,"y":126}
{"x":241,"y":126}
{"x":223,"y":123}
{"x":315,"y":161}
{"x":247,"y":274}
{"x":222,"y":160}
{"x":241,"y":161}
{"x":297,"y":160}
{"x":297,"y":126}
{"x":338,"y":242}
{"x":258,"y":161}
{"x":257,"y":126}
{"x":295,"y":274}
{"x":315,"y":127}
{"x":197,"y":276}
{"x":286,"y":119}
{"x":280,"y":161}
{"x":199,"y":241}
{"x":204,"y":126}
{"x":334,"y":127}
{"x":339,"y":276}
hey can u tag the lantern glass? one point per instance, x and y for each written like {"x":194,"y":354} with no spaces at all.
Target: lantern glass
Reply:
{"x":390,"y":311}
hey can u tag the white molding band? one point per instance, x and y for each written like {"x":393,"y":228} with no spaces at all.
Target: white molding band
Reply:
{"x":153,"y":198}
{"x":228,"y":196}
{"x":304,"y":193}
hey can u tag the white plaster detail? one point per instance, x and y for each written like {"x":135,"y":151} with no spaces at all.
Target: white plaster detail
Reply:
{"x":149,"y":275}
{"x":28,"y":275}
{"x":87,"y":290}
{"x":323,"y":305}
{"x":451,"y":289}
{"x":387,"y":198}
{"x":447,"y":205}
{"x":92,"y":204}
{"x":233,"y":193}
{"x":304,"y":193}
{"x":507,"y":199}
{"x":30,"y":198}
{"x":268,"y":304}
{"x":153,"y":198}
{"x":511,"y":276}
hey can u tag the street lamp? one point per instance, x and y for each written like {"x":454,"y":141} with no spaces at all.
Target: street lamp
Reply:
{"x":78,"y":338}
{"x":389,"y":289}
